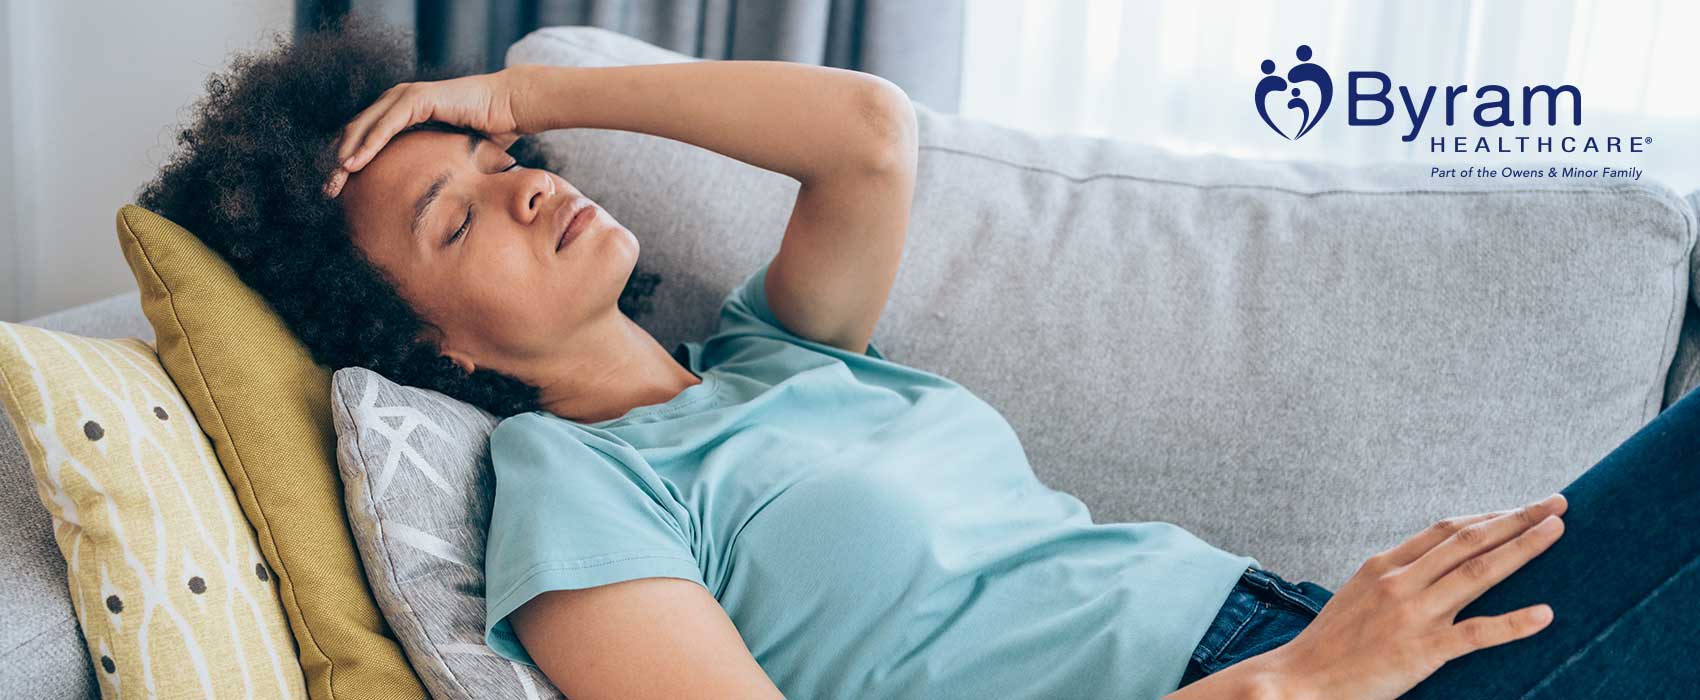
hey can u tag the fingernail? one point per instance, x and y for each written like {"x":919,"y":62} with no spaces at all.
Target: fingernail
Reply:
{"x":1547,"y":524}
{"x":348,"y":163}
{"x":334,"y":185}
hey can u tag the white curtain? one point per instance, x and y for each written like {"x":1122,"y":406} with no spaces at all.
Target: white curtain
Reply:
{"x":1181,"y":73}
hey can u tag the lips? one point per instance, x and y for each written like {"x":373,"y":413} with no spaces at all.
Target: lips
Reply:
{"x":576,"y":222}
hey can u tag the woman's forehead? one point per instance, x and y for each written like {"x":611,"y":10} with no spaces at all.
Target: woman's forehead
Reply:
{"x":402,"y":170}
{"x":412,"y":149}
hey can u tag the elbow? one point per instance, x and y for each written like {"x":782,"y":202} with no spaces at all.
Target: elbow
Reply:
{"x":887,"y":117}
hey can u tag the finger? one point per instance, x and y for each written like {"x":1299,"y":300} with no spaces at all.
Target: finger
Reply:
{"x":356,"y":127}
{"x":339,"y":177}
{"x":1482,"y":632}
{"x":365,"y":117}
{"x":401,"y":115}
{"x":355,"y":131}
{"x":1476,"y":538}
{"x":1408,"y":551}
{"x":1473,"y":577}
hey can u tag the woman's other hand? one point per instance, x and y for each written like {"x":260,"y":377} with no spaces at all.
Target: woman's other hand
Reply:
{"x":1391,"y":624}
{"x":482,"y":102}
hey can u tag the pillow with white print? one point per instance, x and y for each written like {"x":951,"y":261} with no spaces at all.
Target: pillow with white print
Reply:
{"x":416,"y":473}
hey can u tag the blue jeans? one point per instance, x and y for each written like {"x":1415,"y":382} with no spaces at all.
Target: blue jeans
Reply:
{"x":1623,"y":582}
{"x":1263,"y":611}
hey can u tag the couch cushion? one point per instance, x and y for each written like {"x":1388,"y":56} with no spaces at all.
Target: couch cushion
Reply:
{"x":416,"y":468}
{"x":1685,"y":367}
{"x":1301,"y":362}
{"x":145,"y":521}
{"x":117,"y":316}
{"x":266,"y":407}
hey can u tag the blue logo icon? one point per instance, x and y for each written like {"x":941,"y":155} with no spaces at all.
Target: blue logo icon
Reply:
{"x":1304,"y":72}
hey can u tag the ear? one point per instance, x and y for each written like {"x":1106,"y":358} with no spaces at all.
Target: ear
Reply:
{"x":431,"y":334}
{"x":463,"y":361}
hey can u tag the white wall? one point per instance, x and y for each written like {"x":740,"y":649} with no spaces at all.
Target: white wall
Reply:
{"x":93,"y":93}
{"x":9,"y":282}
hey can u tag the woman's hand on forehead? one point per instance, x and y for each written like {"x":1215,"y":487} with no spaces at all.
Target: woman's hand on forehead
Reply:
{"x":481,"y":102}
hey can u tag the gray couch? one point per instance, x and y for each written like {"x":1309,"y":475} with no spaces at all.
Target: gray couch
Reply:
{"x":1300,"y":362}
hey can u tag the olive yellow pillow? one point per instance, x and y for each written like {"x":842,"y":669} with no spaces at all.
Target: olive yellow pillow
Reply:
{"x":266,"y":406}
{"x":168,"y":584}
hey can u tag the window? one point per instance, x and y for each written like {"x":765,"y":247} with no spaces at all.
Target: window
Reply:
{"x":1181,"y":74}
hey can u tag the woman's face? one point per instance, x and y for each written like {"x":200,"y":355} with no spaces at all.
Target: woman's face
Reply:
{"x":503,"y":296}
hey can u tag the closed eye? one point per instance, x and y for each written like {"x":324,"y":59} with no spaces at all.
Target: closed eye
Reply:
{"x":466,"y":226}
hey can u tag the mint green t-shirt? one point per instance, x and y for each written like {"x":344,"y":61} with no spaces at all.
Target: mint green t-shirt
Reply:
{"x":873,"y":530}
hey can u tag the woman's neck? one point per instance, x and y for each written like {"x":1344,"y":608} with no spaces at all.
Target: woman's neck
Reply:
{"x":614,"y":366}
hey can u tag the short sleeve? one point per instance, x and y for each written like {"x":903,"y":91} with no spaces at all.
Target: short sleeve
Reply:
{"x":569,"y":516}
{"x":746,"y":310}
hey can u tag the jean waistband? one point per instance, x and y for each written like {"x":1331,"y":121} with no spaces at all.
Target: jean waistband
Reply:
{"x":1258,"y":592}
{"x":1308,"y":596}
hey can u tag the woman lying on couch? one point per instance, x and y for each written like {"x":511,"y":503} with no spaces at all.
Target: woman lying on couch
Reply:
{"x":400,"y":221}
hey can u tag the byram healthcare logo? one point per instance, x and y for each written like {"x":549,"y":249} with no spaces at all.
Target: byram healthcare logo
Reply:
{"x":1304,"y":72}
{"x":1372,"y":99}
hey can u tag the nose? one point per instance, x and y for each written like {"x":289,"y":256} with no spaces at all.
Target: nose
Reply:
{"x":533,"y":196}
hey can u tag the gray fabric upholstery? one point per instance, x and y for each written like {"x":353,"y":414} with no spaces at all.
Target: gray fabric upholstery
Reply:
{"x":1298,"y":361}
{"x":117,"y":316}
{"x":1685,"y":367}
{"x":418,"y":489}
{"x":42,"y":652}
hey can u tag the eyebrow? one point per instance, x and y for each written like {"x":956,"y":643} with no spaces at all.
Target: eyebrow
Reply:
{"x":435,"y":190}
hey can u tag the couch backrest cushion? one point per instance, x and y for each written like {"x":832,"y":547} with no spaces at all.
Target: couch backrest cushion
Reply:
{"x":265,"y":405}
{"x":1685,"y":367}
{"x":1300,"y":362}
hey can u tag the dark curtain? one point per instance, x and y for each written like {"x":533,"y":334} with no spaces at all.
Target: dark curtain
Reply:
{"x":916,"y":44}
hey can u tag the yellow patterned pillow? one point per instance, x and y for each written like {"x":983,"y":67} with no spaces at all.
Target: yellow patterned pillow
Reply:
{"x":173,"y":595}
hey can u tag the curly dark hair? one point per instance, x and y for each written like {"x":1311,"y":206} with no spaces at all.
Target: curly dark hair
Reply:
{"x":247,"y":180}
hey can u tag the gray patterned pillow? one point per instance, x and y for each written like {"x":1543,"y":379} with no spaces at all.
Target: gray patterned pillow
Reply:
{"x":416,"y":473}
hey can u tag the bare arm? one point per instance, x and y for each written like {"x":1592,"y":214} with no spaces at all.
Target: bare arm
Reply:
{"x":799,"y":120}
{"x":1251,"y":679}
{"x":849,"y":138}
{"x":604,"y":642}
